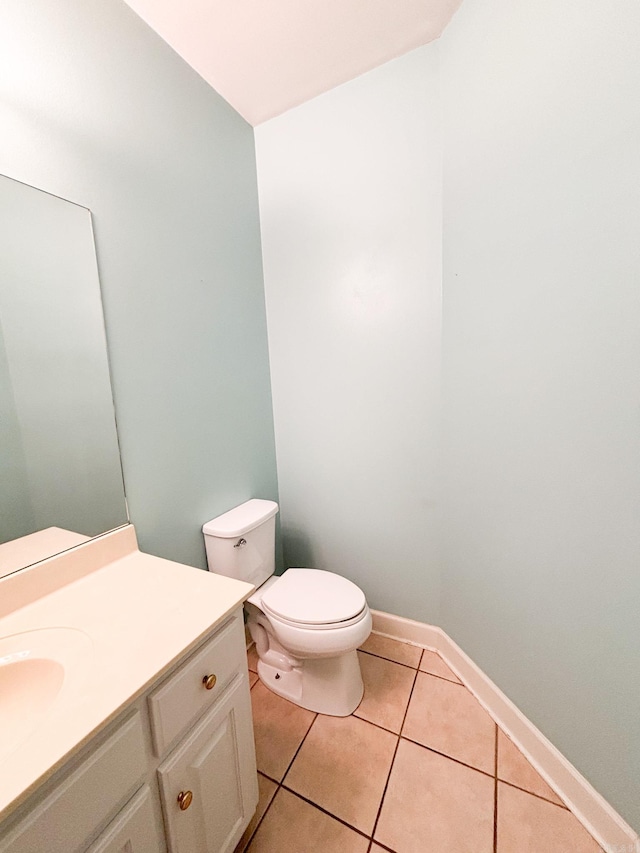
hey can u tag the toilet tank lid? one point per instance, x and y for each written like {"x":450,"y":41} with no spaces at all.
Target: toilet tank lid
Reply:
{"x":241,"y":519}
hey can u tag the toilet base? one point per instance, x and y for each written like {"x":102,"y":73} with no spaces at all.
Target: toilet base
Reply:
{"x":331,"y":686}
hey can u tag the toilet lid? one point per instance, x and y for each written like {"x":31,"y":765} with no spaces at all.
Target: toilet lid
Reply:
{"x":313,"y":597}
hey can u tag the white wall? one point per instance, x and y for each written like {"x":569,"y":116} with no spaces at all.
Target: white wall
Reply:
{"x":350,"y":205}
{"x":541,"y":367}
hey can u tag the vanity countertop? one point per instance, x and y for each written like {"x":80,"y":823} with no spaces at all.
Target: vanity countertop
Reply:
{"x":136,"y":615}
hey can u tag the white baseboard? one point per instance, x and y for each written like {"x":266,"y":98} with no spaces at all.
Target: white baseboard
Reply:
{"x":592,"y":810}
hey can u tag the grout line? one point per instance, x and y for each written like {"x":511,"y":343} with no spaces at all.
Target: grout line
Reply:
{"x":279,"y":784}
{"x":383,"y":846}
{"x":391,"y":660}
{"x":495,"y":791}
{"x":484,"y":772}
{"x":377,"y":725}
{"x":259,"y":823}
{"x":395,"y":752}
{"x":450,"y":757}
{"x":454,"y":680}
{"x":406,"y":710}
{"x":325,"y":811}
{"x":442,"y":678}
{"x":408,"y":666}
{"x":470,"y":766}
{"x":533,"y":794}
{"x":298,"y":749}
{"x":270,"y":778}
{"x":384,"y":792}
{"x":321,"y":808}
{"x":561,"y":805}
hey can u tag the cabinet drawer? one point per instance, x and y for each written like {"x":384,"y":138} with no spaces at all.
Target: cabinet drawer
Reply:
{"x":183,"y":697}
{"x":87,"y":798}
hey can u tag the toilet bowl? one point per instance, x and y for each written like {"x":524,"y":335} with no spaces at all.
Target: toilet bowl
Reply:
{"x":306,"y":640}
{"x":306,"y":624}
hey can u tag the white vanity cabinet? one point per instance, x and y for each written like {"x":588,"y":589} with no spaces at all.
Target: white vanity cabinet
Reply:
{"x":176,"y":770}
{"x":207,"y":784}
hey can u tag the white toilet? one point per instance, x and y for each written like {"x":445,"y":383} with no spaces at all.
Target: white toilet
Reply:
{"x":306,"y":624}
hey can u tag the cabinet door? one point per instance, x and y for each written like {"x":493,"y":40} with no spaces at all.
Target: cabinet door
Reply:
{"x":87,"y":798}
{"x":135,"y":830}
{"x":215,"y":764}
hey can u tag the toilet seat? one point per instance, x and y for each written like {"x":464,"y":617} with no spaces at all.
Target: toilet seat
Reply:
{"x":314,"y":599}
{"x":291,"y":623}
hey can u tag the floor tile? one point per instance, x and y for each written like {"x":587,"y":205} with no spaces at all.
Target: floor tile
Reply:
{"x":279,"y":728}
{"x":513,"y":767}
{"x":435,"y":804}
{"x":253,"y":677}
{"x":252,"y":659}
{"x":433,"y":663}
{"x":343,"y":767}
{"x":266,"y":790}
{"x":447,"y":718}
{"x":527,"y":824}
{"x":387,"y":687}
{"x":293,"y":826}
{"x":394,"y":650}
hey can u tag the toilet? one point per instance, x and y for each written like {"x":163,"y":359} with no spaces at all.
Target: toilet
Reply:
{"x":306,"y":624}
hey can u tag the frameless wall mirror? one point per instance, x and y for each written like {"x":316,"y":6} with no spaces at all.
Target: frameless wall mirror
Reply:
{"x":60,"y":473}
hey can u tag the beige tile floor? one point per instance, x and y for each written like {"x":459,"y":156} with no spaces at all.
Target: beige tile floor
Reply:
{"x":419,"y":767}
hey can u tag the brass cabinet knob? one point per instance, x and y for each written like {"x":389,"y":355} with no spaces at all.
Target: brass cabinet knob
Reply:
{"x":209,"y":681}
{"x":184,"y":800}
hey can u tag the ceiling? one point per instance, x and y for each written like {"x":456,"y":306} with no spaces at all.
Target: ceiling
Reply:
{"x":266,"y":56}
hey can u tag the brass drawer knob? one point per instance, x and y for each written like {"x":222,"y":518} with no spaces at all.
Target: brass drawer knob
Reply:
{"x":209,"y":681}
{"x":184,"y":800}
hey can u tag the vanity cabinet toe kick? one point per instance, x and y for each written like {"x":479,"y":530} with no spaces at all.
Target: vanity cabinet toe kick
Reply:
{"x":176,"y":771}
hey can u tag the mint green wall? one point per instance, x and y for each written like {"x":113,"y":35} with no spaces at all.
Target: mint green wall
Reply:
{"x":541,"y":364}
{"x":94,"y":107}
{"x":351,"y":211}
{"x":537,"y":554}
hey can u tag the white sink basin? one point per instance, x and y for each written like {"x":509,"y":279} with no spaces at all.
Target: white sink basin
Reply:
{"x":37,"y":668}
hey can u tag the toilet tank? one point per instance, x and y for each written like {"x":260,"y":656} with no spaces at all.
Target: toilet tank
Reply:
{"x":241,"y":543}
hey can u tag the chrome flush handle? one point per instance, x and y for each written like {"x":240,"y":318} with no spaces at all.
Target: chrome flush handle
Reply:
{"x":240,"y":543}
